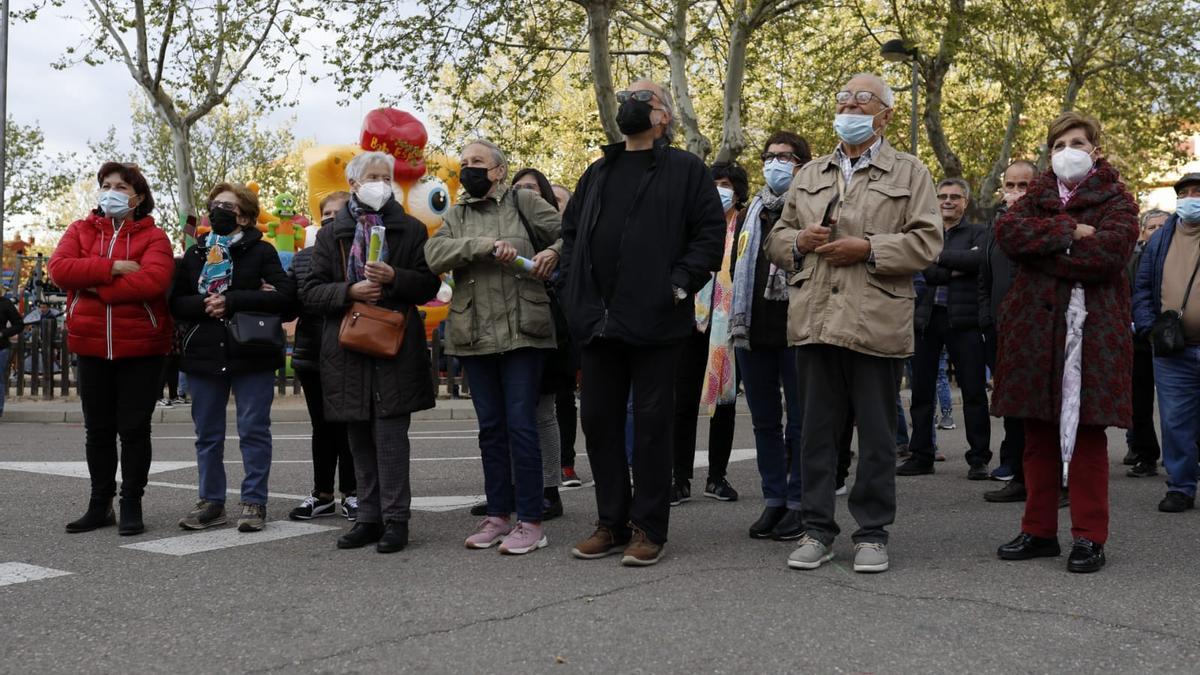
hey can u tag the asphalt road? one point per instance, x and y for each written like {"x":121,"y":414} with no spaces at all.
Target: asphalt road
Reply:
{"x":718,"y":602}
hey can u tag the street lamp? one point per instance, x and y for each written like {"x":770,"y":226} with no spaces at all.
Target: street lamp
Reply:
{"x":897,"y":52}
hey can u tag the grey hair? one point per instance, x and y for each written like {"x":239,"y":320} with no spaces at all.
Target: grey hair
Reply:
{"x":497,"y":154}
{"x":885,"y":92}
{"x":960,"y":182}
{"x":1152,"y":213}
{"x":359,"y":163}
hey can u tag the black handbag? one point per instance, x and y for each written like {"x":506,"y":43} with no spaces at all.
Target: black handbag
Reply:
{"x":255,"y":333}
{"x":1166,"y":335}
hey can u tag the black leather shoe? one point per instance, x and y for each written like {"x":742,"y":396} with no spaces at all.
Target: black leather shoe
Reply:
{"x":131,"y":518}
{"x":479,"y":509}
{"x":1086,"y":556}
{"x":1131,"y":458}
{"x":551,"y":508}
{"x":1176,"y":502}
{"x":978,"y":472}
{"x":1027,"y":546}
{"x":360,"y":535}
{"x":395,"y":537}
{"x":771,"y":515}
{"x":1143,"y":470}
{"x":914,"y":467}
{"x":1013,"y":492}
{"x":789,"y":527}
{"x":99,"y":514}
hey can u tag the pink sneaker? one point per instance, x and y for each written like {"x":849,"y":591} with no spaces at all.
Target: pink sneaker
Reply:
{"x":490,"y":532}
{"x":525,"y":538}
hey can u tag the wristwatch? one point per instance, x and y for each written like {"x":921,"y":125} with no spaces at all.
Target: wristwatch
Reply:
{"x":680,"y":294}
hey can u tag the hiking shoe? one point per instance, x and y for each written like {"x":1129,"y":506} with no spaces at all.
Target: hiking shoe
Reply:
{"x":524,"y":538}
{"x":99,"y":514}
{"x":641,"y":552}
{"x":603,"y":542}
{"x":947,"y":421}
{"x":720,"y":490}
{"x":914,"y":467}
{"x":1176,"y":502}
{"x":491,"y":531}
{"x":314,"y":506}
{"x":350,"y":508}
{"x":1143,"y":470}
{"x":570,"y":478}
{"x":1013,"y":492}
{"x":977,"y":472}
{"x":253,"y":518}
{"x":810,"y":555}
{"x":205,"y":515}
{"x":870,"y":557}
{"x":681,"y":492}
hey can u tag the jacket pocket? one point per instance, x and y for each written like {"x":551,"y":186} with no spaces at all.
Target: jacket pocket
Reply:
{"x":150,"y":314}
{"x":885,"y":322}
{"x":461,"y":330}
{"x":533,"y":311}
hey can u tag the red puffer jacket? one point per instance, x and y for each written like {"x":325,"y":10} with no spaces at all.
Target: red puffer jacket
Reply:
{"x":115,"y":317}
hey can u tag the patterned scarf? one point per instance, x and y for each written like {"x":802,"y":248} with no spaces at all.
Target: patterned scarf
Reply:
{"x":356,"y":262}
{"x":217,"y":273}
{"x":749,"y":248}
{"x":719,"y":382}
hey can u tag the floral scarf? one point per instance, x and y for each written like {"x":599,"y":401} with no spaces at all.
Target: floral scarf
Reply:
{"x":217,"y":273}
{"x":719,"y":382}
{"x":749,"y":248}
{"x":356,"y":262}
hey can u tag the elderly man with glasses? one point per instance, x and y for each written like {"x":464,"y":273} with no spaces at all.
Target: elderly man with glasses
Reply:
{"x":857,"y":224}
{"x":947,"y":317}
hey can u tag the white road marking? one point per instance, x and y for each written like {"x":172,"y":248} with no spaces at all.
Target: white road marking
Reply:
{"x":80,"y":470}
{"x":18,"y":573}
{"x":213,"y":540}
{"x":306,"y":437}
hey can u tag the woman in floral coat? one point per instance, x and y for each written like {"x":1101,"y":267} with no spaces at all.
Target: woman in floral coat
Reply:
{"x":1071,"y":236}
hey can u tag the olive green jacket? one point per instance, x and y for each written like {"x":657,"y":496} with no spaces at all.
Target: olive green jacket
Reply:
{"x":496,"y":307}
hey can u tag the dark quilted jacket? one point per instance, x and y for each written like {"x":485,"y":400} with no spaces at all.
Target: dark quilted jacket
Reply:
{"x":1036,"y":235}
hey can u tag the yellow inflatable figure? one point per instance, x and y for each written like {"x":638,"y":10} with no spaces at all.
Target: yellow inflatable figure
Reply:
{"x":326,"y":170}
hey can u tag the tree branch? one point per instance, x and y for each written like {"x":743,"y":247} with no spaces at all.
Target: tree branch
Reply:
{"x":216,"y":96}
{"x":162,"y":48}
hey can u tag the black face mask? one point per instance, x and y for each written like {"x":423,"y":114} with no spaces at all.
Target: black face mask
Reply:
{"x":633,"y":117}
{"x":475,"y":180}
{"x":223,"y":221}
{"x":327,"y":221}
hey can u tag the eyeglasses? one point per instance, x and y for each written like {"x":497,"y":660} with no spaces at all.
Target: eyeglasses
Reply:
{"x":789,"y":157}
{"x":643,"y":95}
{"x":860,"y":97}
{"x":228,"y":206}
{"x":950,"y":198}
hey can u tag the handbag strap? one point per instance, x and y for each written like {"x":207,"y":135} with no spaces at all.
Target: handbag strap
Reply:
{"x":525,"y":222}
{"x":1187,"y":293}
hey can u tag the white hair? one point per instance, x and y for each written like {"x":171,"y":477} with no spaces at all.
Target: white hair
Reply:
{"x":498,"y":155}
{"x":885,"y":92}
{"x":357,"y":166}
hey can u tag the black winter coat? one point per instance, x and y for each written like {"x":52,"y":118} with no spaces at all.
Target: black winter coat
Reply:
{"x":306,"y":350}
{"x":674,"y":236}
{"x":995,"y":278}
{"x":962,"y":251}
{"x":356,"y":385}
{"x":207,"y":349}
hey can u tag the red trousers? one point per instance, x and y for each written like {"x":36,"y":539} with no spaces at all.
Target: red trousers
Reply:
{"x":1087,"y":482}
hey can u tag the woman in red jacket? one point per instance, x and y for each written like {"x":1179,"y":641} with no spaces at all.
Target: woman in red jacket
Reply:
{"x":116,"y":267}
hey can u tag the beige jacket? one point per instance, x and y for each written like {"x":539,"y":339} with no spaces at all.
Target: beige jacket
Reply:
{"x":866,"y":307}
{"x":496,"y":307}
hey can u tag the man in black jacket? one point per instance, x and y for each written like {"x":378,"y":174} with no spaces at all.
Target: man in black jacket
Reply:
{"x":995,"y":278}
{"x":11,"y":324}
{"x":948,"y":316}
{"x":642,"y":234}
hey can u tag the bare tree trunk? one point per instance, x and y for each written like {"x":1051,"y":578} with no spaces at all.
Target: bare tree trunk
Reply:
{"x":935,"y":79}
{"x":697,"y":143}
{"x":599,"y":14}
{"x":733,"y":140}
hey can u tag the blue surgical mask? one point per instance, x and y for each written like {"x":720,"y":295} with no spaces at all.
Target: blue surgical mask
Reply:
{"x":726,"y":197}
{"x":778,"y":175}
{"x":114,"y":204}
{"x":1188,"y":209}
{"x":854,"y":129}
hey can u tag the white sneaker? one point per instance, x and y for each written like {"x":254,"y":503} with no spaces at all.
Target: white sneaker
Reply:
{"x":870,"y":557}
{"x":810,"y":555}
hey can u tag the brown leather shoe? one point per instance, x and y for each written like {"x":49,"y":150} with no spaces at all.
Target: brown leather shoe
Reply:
{"x":641,"y":552}
{"x":603,"y":542}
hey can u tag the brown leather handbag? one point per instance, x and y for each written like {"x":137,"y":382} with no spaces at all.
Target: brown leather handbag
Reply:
{"x":371,"y":329}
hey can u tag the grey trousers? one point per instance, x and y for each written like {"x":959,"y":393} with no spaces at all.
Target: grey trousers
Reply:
{"x":837,"y":384}
{"x":381,"y":450}
{"x":550,"y":441}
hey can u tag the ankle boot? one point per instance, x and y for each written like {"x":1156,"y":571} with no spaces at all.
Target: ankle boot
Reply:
{"x":99,"y":514}
{"x":360,"y":535}
{"x":131,"y":517}
{"x":395,"y":537}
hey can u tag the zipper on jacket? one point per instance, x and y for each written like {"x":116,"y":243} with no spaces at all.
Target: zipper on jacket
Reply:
{"x":150,"y":313}
{"x":74,"y":301}
{"x":188,"y":338}
{"x":108,"y":308}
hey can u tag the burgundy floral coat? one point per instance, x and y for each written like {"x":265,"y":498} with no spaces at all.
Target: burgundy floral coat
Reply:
{"x":1036,"y":235}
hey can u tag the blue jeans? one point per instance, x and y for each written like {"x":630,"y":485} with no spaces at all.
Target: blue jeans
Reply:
{"x":763,"y":372}
{"x":505,"y":390}
{"x":1178,"y":381}
{"x":253,"y":394}
{"x":943,"y":386}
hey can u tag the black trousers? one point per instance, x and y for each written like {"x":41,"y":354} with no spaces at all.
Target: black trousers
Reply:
{"x":564,"y":409}
{"x":330,"y":442}
{"x":1012,"y":448}
{"x":118,"y":400}
{"x":1142,"y":439}
{"x":610,"y":370}
{"x":170,"y":376}
{"x":835,"y":384}
{"x":689,"y":384}
{"x":966,"y":349}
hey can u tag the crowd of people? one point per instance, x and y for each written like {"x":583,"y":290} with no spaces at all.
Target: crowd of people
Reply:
{"x":665,"y":286}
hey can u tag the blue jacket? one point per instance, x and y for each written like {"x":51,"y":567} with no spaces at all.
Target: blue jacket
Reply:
{"x":1147,"y":286}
